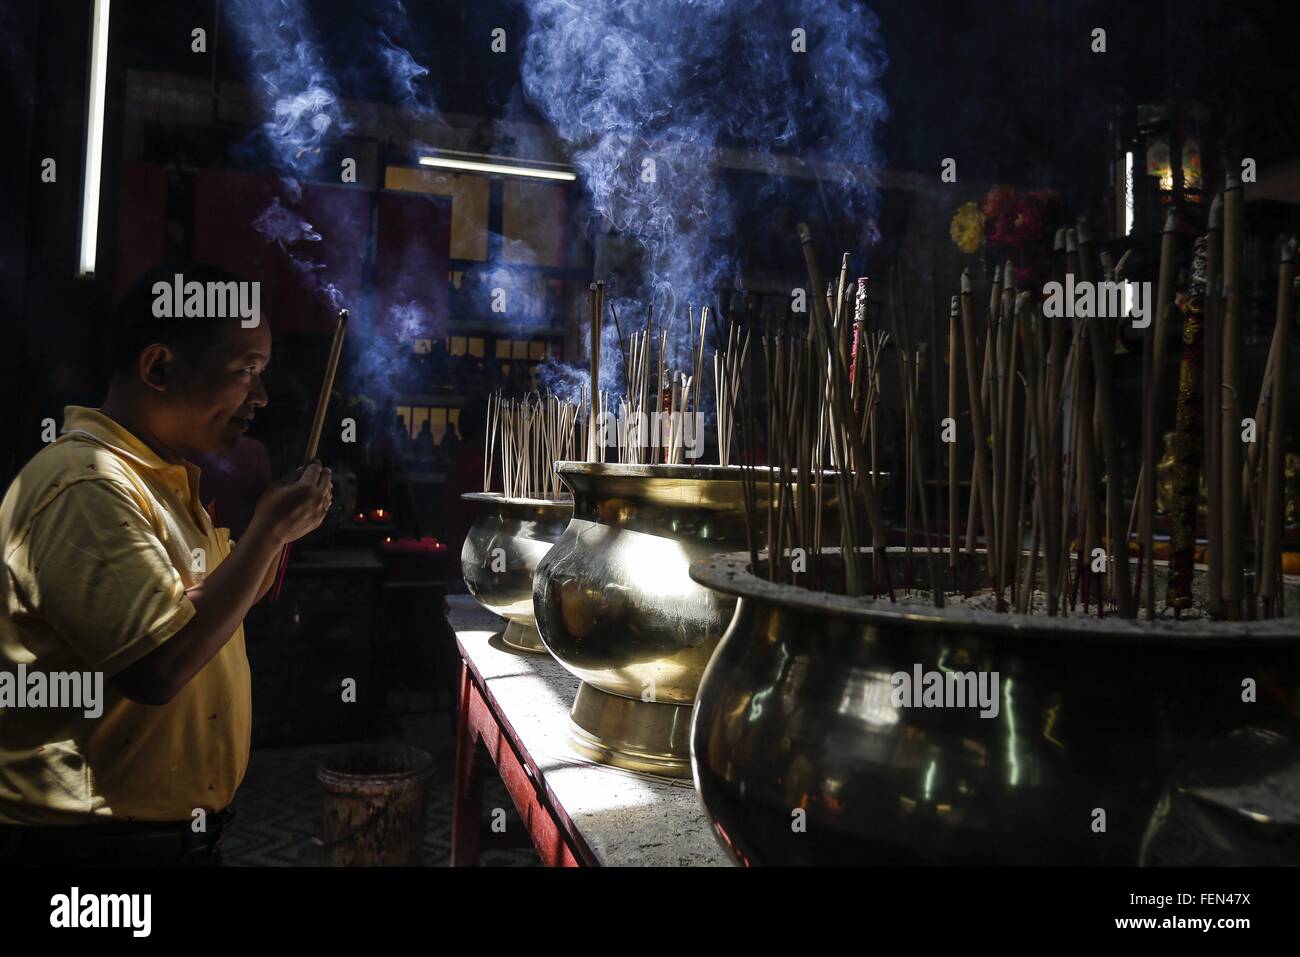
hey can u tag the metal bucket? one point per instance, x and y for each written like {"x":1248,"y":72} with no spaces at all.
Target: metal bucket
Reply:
{"x":374,"y":798}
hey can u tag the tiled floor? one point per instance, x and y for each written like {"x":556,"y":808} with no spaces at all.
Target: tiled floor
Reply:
{"x":278,"y":810}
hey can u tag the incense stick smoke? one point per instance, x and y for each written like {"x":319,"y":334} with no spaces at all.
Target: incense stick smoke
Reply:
{"x":300,"y":96}
{"x":303,"y":104}
{"x":649,"y":94}
{"x":295,"y":87}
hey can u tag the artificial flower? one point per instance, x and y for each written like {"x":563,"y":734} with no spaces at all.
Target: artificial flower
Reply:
{"x":967,"y":228}
{"x":996,"y":200}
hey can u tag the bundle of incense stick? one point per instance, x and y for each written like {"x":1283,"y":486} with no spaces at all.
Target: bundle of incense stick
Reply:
{"x":913,"y":478}
{"x":795,"y":372}
{"x":660,"y":411}
{"x":529,"y":435}
{"x":727,"y":365}
{"x":805,"y":374}
{"x":1047,"y":476}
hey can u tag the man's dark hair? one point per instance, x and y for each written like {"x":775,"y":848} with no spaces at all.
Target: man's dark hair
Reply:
{"x":133,"y":325}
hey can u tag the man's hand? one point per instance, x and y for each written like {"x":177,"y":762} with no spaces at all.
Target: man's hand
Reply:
{"x":295,"y":506}
{"x":285,"y":512}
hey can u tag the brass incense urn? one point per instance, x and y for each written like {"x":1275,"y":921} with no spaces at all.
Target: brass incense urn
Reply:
{"x":616,"y":605}
{"x":504,"y":546}
{"x":817,"y":740}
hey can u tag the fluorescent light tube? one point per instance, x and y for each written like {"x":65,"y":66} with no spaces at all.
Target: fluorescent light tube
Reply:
{"x":474,"y":166}
{"x":94,"y":136}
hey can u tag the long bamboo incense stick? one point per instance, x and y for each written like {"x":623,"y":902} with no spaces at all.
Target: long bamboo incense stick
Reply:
{"x":1103,"y":363}
{"x":1252,"y":454}
{"x":1188,"y":436}
{"x":1212,"y":399}
{"x":854,"y":454}
{"x":910,"y":401}
{"x":979,"y":434}
{"x":596,"y":295}
{"x":1153,"y":344}
{"x":1230,"y":406}
{"x":1009,"y":536}
{"x":1164,"y":300}
{"x":954,"y":491}
{"x":317,"y":425}
{"x":1276,"y":473}
{"x":974,"y":514}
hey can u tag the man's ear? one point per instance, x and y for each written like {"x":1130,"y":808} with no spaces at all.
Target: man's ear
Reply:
{"x":157,"y":366}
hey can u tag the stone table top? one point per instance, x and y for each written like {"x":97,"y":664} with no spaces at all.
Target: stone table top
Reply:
{"x":624,"y":817}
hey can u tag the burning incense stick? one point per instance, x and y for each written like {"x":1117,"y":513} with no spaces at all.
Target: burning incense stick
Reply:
{"x":317,"y":424}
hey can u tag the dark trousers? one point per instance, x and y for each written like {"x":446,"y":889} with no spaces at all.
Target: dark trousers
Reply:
{"x":116,"y":844}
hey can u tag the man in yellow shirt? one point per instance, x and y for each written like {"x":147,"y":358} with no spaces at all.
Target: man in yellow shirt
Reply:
{"x":113,"y":573}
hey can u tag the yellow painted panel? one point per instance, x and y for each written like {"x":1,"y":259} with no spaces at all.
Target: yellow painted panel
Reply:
{"x":532,"y":223}
{"x":469,"y":204}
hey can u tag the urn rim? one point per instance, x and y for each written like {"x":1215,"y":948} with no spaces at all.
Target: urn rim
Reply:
{"x":730,"y":574}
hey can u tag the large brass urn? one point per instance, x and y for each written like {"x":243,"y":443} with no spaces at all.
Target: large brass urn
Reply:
{"x":616,"y":605}
{"x":507,"y":541}
{"x":1047,"y":741}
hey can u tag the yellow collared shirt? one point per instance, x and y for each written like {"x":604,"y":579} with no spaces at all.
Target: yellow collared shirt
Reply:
{"x":101,"y":538}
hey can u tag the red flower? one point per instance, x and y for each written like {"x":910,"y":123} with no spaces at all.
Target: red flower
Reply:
{"x":1020,"y":223}
{"x":996,"y":200}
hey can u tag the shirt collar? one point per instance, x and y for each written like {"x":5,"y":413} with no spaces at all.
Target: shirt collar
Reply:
{"x":95,"y":425}
{"x":108,"y":432}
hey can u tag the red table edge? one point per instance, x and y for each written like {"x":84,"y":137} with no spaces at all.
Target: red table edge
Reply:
{"x":576,"y":851}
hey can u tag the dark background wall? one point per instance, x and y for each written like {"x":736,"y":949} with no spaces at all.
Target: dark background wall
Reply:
{"x":1010,"y":89}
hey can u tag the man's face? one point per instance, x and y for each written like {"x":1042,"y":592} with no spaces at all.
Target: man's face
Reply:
{"x":214,"y":395}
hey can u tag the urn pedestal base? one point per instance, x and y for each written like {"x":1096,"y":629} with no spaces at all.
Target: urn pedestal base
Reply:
{"x":523,"y":636}
{"x":628,"y":733}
